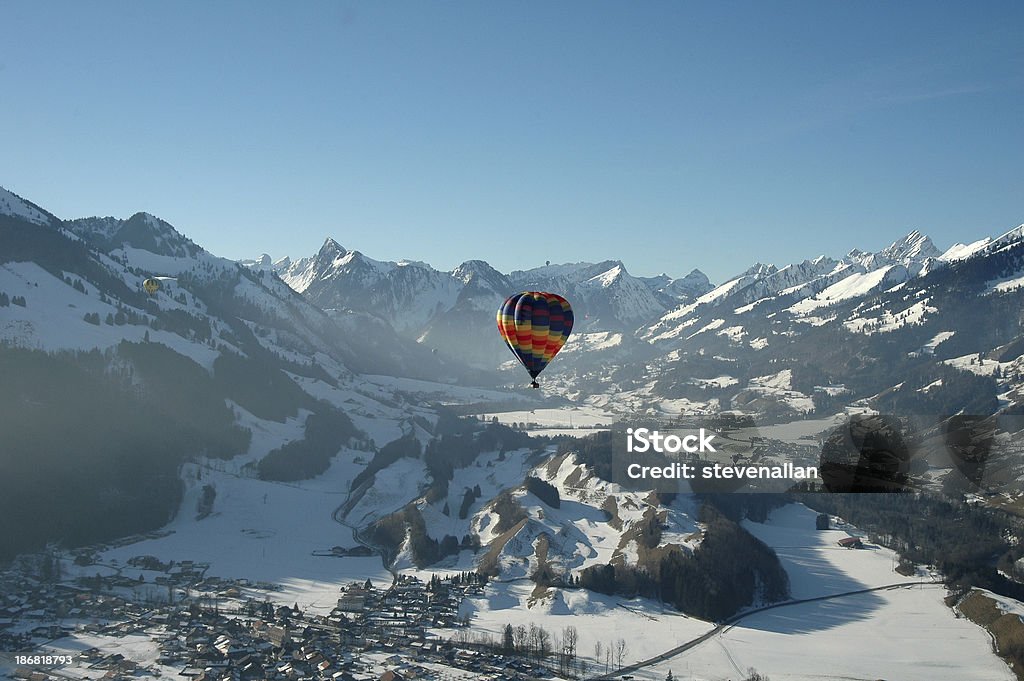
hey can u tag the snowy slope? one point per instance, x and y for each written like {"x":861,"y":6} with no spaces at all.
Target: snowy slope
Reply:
{"x":13,"y":205}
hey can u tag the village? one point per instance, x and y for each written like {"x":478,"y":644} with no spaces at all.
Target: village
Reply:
{"x":207,"y":628}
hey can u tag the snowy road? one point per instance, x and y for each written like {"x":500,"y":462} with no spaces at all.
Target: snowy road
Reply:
{"x":733,"y":621}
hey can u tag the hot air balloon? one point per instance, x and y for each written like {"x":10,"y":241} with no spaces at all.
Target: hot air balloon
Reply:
{"x":535,"y":326}
{"x":151,"y":285}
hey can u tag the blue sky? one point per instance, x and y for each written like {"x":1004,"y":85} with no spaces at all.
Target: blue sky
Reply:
{"x":669,"y":135}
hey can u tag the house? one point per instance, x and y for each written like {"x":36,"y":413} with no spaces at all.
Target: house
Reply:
{"x":851,"y":543}
{"x":391,"y":676}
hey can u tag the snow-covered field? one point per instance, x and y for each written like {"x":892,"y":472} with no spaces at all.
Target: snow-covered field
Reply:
{"x":798,"y":432}
{"x":139,"y":648}
{"x":905,"y":632}
{"x":569,"y":418}
{"x":647,"y":629}
{"x":267,"y":531}
{"x":902,"y":633}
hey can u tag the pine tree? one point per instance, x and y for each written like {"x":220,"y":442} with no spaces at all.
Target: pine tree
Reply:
{"x":508,"y":639}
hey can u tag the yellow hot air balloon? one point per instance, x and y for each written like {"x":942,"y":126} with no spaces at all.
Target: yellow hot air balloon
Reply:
{"x":151,"y":285}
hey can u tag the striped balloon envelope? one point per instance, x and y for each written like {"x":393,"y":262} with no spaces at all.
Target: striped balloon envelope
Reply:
{"x":535,"y":326}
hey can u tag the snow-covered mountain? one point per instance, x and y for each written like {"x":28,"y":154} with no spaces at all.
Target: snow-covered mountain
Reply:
{"x":893,"y":328}
{"x":14,"y":206}
{"x":604,"y":295}
{"x":193,"y":404}
{"x":452,"y":312}
{"x":805,"y":286}
{"x":410,"y":294}
{"x":654,"y":329}
{"x":141,"y":232}
{"x":216,"y":358}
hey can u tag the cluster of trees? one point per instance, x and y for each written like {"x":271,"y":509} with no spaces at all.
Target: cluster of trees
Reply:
{"x":468,"y":498}
{"x":204,"y":505}
{"x":962,"y":540}
{"x":594,"y":451}
{"x":326,"y":432}
{"x":57,"y":253}
{"x":82,"y":460}
{"x":391,"y":531}
{"x":406,"y":446}
{"x":443,"y":455}
{"x":950,"y":391}
{"x":457,"y":579}
{"x":537,"y":643}
{"x":181,"y":390}
{"x":458,"y":442}
{"x":185,"y":324}
{"x":543,"y":490}
{"x":6,"y":301}
{"x":76,"y":284}
{"x":710,"y":583}
{"x":93,"y":441}
{"x":559,"y":649}
{"x":259,"y":386}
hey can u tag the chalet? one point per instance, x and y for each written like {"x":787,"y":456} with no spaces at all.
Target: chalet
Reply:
{"x":851,"y":543}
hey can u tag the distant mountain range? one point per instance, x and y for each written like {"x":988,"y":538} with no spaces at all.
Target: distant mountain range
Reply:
{"x":289,"y":368}
{"x":887,"y":325}
{"x":684,"y":344}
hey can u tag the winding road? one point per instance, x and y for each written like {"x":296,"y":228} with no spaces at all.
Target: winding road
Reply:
{"x":728,"y":624}
{"x":339,"y":517}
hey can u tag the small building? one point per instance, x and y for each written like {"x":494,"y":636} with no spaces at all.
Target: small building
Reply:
{"x":851,"y":543}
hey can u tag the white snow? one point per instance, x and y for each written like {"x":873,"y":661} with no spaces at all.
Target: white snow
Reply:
{"x":563,"y":417}
{"x":937,"y":340}
{"x":392,"y":489}
{"x":734,"y":333}
{"x":960,"y":251}
{"x":267,"y":531}
{"x":853,"y":286}
{"x":53,"y":318}
{"x":1008,"y":284}
{"x":710,"y":326}
{"x":722,"y":381}
{"x":591,"y":342}
{"x":982,"y":367}
{"x":900,"y":633}
{"x":12,"y":205}
{"x":887,"y":321}
{"x":647,"y":628}
{"x":799,"y":432}
{"x":782,"y":380}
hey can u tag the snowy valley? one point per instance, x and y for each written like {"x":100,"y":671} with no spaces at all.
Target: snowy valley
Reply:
{"x":329,"y":468}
